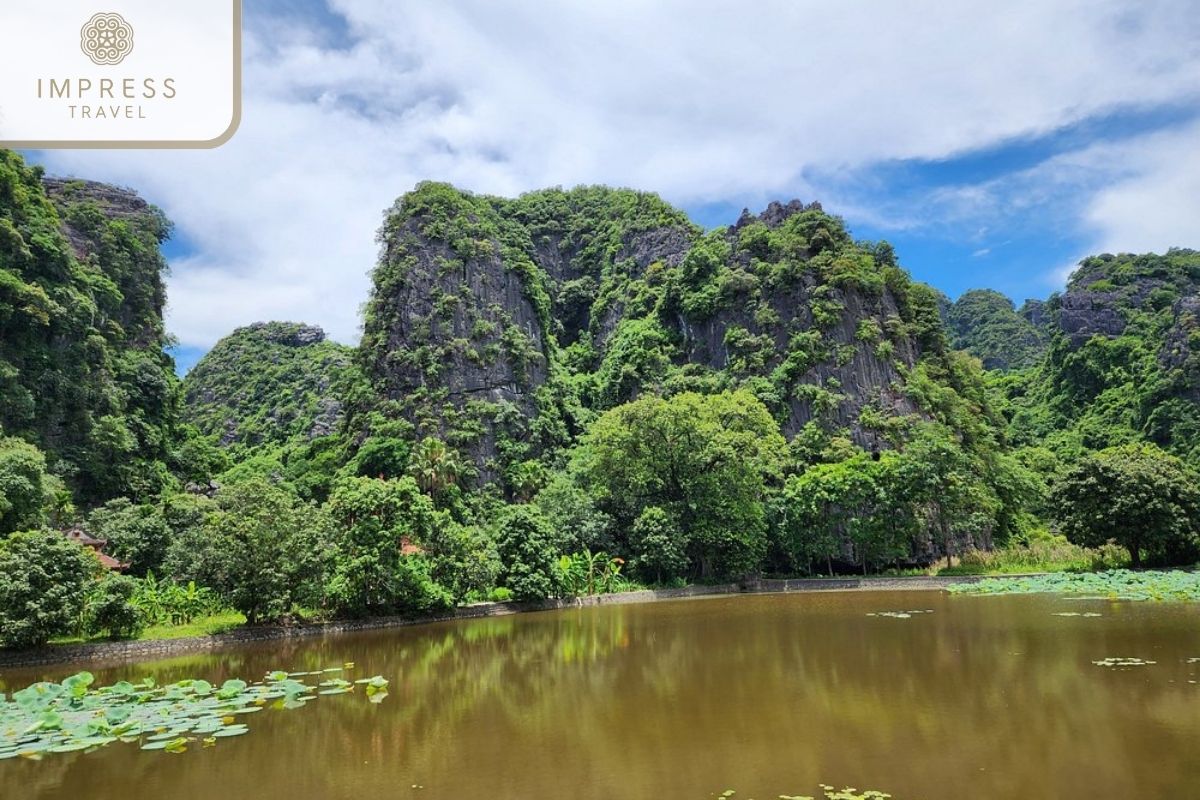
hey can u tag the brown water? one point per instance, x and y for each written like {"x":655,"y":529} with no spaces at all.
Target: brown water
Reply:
{"x":767,"y":694}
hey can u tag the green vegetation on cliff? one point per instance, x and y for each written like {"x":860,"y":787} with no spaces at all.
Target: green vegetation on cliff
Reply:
{"x":272,"y":383}
{"x":513,"y":330}
{"x":505,"y":326}
{"x":566,"y":385}
{"x":83,"y":374}
{"x":985,"y":323}
{"x":1123,"y":364}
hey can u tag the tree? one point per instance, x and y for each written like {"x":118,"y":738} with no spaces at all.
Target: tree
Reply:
{"x":381,"y":457}
{"x":22,"y":485}
{"x":136,"y":534}
{"x":812,"y":522}
{"x":856,"y":504}
{"x":525,"y":542}
{"x":267,"y":550}
{"x":44,"y":580}
{"x":660,"y":544}
{"x":191,"y":556}
{"x":196,"y":459}
{"x":434,"y":466}
{"x":462,"y":558}
{"x":1136,"y":495}
{"x":573,"y":515}
{"x":705,"y":460}
{"x":371,"y":574}
{"x":953,"y":502}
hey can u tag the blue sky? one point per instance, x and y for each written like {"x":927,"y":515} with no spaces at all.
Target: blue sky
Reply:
{"x":992,"y":144}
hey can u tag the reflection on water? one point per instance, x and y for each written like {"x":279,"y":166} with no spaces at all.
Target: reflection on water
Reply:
{"x":769,"y":694}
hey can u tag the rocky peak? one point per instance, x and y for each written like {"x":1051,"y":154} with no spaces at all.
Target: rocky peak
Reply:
{"x":270,"y":383}
{"x":114,"y":202}
{"x":288,"y":334}
{"x":775,"y":213}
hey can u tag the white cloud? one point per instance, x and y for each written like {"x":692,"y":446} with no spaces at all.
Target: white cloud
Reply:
{"x":701,"y":101}
{"x":1157,"y":204}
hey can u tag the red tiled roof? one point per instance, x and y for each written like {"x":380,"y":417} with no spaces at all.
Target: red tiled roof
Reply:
{"x":84,"y":538}
{"x":110,"y":563}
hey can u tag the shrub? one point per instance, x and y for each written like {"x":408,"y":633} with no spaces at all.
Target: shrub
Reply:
{"x":111,"y":607}
{"x":587,"y":573}
{"x":170,"y":603}
{"x":414,"y":589}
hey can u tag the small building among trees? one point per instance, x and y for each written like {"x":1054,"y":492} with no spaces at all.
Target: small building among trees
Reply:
{"x":82,"y":537}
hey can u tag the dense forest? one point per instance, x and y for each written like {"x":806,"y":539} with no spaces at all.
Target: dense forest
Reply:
{"x":567,"y":392}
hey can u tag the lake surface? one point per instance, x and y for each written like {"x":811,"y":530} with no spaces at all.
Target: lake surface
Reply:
{"x":985,"y":697}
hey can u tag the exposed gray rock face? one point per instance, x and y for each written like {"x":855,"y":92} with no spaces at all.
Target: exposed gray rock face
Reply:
{"x":1096,"y":304}
{"x":114,"y":201}
{"x":1083,"y":314}
{"x":287,"y":334}
{"x":1177,"y":344}
{"x":467,"y":348}
{"x":1034,"y":311}
{"x":142,"y":287}
{"x":856,"y":374}
{"x":482,"y":303}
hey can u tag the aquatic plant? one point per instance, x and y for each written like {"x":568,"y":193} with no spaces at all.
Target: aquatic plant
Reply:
{"x":69,"y":716}
{"x":828,"y":792}
{"x":1117,"y":584}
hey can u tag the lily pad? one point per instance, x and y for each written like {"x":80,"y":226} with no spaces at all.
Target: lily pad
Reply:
{"x":1120,"y":661}
{"x":74,"y":715}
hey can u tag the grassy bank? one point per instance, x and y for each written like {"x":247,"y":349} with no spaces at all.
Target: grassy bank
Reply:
{"x":1040,"y":555}
{"x":201,"y":626}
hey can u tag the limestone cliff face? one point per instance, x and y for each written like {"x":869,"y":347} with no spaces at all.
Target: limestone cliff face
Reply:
{"x":1124,"y":356}
{"x":503,"y":326}
{"x":94,"y":217}
{"x":1110,"y":296}
{"x":83,"y":374}
{"x":845,"y":360}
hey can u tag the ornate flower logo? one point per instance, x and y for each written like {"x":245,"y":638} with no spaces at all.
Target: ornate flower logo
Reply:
{"x":106,"y":38}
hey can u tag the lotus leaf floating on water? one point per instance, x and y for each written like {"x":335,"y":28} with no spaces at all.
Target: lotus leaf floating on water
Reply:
{"x":1117,"y":584}
{"x":70,"y":716}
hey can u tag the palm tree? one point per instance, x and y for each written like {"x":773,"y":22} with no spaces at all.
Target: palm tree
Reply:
{"x":434,"y":466}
